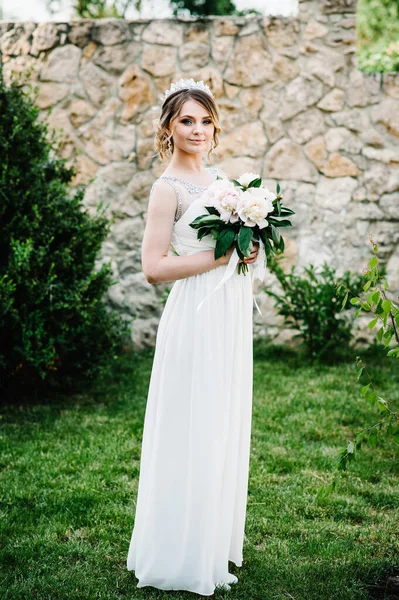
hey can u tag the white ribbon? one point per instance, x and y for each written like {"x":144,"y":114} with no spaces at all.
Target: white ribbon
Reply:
{"x":233,"y":262}
{"x":259,"y":269}
{"x":258,"y":272}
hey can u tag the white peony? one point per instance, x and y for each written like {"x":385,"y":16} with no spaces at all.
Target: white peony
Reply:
{"x":224,"y":196}
{"x":246,"y":178}
{"x":266,"y":194}
{"x":253,"y":208}
{"x":215,"y":190}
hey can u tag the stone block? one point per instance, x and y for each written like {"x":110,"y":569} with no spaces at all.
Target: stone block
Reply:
{"x":338,"y":6}
{"x":286,"y":160}
{"x":250,"y":63}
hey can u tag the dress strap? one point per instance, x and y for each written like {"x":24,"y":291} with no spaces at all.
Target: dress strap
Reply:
{"x":173,"y":184}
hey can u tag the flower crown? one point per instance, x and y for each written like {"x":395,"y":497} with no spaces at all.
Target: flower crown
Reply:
{"x":184,"y":84}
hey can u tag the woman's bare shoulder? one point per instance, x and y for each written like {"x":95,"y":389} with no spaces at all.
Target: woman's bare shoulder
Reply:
{"x":162,"y":199}
{"x":161,"y":187}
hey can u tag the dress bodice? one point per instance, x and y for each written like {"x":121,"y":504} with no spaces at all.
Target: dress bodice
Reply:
{"x":190,"y":204}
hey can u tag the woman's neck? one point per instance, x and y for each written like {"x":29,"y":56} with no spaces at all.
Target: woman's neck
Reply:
{"x":188,"y":164}
{"x":201,"y":179}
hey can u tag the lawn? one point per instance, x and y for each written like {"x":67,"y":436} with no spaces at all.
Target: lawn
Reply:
{"x":69,"y":472}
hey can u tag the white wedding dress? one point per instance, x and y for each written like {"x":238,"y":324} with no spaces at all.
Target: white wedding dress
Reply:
{"x":192,"y":494}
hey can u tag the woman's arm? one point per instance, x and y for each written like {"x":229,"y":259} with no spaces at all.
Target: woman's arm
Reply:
{"x":158,"y":267}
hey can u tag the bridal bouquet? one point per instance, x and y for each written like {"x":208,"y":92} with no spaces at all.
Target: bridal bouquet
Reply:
{"x":240,"y":212}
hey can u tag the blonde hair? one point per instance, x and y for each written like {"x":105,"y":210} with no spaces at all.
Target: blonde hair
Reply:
{"x":170,"y":111}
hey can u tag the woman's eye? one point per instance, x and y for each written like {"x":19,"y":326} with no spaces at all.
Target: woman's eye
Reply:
{"x":189,"y":121}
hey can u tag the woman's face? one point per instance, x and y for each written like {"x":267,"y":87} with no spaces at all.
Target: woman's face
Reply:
{"x":193,"y":129}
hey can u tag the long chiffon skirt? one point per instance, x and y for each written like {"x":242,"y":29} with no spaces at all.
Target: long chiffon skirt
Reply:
{"x":192,"y":494}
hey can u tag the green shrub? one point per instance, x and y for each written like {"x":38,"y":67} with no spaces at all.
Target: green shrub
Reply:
{"x":375,"y":302}
{"x":203,"y":7}
{"x":52,"y":317}
{"x":376,"y":20}
{"x":378,"y":36}
{"x":309,"y":304}
{"x":383,"y":59}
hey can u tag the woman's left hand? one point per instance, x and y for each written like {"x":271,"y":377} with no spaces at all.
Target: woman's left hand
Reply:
{"x":253,"y":256}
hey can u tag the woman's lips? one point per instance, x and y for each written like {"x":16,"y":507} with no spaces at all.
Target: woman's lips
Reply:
{"x":196,"y":141}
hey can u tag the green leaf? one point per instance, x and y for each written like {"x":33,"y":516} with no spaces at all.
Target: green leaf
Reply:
{"x":359,"y":437}
{"x":281,"y":223}
{"x":236,"y":183}
{"x":373,"y":323}
{"x":278,"y":188}
{"x":203,"y":231}
{"x":264,"y":237}
{"x":380,"y":334}
{"x":365,"y":306}
{"x":344,"y":301}
{"x":382,"y":404}
{"x":354,"y":300}
{"x":373,"y":262}
{"x":256,"y":183}
{"x":370,"y":298}
{"x":244,"y":240}
{"x":366,"y":285}
{"x":359,"y":374}
{"x":386,"y":305}
{"x":387,"y":338}
{"x":198,"y":219}
{"x":372,"y":398}
{"x":275,"y":235}
{"x":373,"y":438}
{"x":212,"y":210}
{"x":206,"y":220}
{"x":376,"y":296}
{"x":224,"y":241}
{"x":211,"y":219}
{"x":286,"y":211}
{"x":365,"y":389}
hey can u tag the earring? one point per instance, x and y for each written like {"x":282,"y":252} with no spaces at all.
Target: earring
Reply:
{"x":170,"y":146}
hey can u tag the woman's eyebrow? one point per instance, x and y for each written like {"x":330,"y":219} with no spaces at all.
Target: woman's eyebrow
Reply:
{"x":207,"y":117}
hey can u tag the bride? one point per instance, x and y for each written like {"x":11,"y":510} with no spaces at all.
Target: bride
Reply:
{"x":191,"y":503}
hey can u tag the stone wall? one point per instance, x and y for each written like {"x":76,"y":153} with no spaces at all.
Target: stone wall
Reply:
{"x":293,"y":107}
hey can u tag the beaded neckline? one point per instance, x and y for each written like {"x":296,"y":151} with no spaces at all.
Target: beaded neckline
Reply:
{"x":191,"y":187}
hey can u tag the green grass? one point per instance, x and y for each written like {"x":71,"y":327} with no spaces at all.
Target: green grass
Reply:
{"x":69,"y":472}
